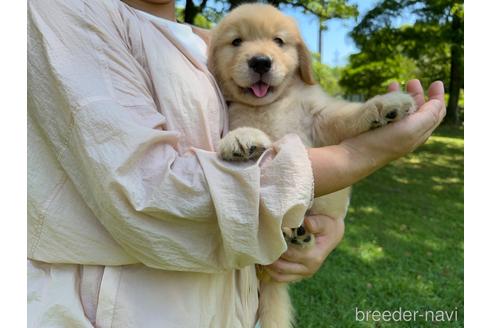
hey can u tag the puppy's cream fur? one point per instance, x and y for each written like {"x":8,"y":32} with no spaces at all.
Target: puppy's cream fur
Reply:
{"x":294,"y":104}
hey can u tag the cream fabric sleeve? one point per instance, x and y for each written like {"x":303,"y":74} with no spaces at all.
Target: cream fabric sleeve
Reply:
{"x":186,"y":211}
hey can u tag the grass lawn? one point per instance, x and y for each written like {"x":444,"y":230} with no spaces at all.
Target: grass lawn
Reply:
{"x":403,"y":245}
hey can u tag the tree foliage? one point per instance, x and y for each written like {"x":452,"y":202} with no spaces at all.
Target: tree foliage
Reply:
{"x":324,"y":9}
{"x":430,"y":49}
{"x":327,"y":76}
{"x":204,"y":19}
{"x":368,"y":77}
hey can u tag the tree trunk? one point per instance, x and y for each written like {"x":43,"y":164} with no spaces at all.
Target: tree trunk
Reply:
{"x":456,"y":78}
{"x":190,"y":12}
{"x":235,"y":3}
{"x":452,"y":116}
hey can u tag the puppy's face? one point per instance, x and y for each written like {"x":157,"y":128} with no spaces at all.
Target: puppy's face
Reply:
{"x":255,"y":52}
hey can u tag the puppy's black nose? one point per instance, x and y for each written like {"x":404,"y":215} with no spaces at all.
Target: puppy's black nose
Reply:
{"x":260,"y":64}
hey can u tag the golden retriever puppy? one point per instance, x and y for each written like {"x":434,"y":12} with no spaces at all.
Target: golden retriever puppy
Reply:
{"x":263,"y":68}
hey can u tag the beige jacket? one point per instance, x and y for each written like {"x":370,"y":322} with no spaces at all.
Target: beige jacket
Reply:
{"x":133,"y":220}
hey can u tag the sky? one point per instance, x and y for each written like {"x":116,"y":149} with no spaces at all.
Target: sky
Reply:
{"x":337,"y":44}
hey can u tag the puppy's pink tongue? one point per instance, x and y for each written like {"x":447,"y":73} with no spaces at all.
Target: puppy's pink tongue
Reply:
{"x":260,"y":89}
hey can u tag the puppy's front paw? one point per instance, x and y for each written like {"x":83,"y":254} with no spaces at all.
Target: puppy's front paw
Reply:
{"x":243,"y":144}
{"x":388,"y":108}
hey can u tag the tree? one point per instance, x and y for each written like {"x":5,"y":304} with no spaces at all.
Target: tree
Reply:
{"x":191,"y":10}
{"x":204,"y":19}
{"x":330,"y":10}
{"x":327,"y":76}
{"x":323,"y":9}
{"x":434,"y":44}
{"x":391,"y":54}
{"x":368,"y":77}
{"x":200,"y":15}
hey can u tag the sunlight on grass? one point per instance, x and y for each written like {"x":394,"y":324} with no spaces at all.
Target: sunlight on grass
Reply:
{"x":446,"y":180}
{"x":437,"y":188}
{"x":411,"y":159}
{"x":369,"y":252}
{"x":402,"y":180}
{"x":367,"y":210}
{"x":448,"y":141}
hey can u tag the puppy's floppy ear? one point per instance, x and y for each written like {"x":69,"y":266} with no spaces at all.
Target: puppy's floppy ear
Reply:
{"x":305,"y":69}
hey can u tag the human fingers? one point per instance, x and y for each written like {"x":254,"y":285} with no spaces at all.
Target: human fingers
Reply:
{"x":297,"y":254}
{"x":285,"y":267}
{"x":417,"y":128}
{"x":328,"y":231}
{"x":393,"y":86}
{"x":279,"y":277}
{"x":316,"y":224}
{"x":311,"y":259}
{"x":414,"y":88}
{"x":436,"y":91}
{"x":433,"y":111}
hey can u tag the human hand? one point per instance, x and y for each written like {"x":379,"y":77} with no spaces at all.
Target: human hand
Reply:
{"x":298,"y":263}
{"x":337,"y":167}
{"x":428,"y":116}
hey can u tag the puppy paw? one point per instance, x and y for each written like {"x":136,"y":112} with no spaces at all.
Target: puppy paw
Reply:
{"x":388,"y":108}
{"x":243,"y":144}
{"x":298,"y":236}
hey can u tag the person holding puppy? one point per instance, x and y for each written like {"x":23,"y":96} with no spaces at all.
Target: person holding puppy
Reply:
{"x":133,"y":220}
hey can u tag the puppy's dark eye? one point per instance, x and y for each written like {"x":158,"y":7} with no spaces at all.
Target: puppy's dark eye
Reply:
{"x":237,"y":42}
{"x":279,"y":41}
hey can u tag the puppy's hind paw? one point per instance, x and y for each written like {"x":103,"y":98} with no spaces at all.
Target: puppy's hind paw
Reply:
{"x":298,"y":236}
{"x":243,"y":144}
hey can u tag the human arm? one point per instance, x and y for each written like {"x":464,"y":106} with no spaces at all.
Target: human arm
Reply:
{"x":300,"y":263}
{"x":295,"y":263}
{"x":166,"y":203}
{"x":355,"y":158}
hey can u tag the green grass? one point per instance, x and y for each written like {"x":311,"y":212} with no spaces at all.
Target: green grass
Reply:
{"x":403,"y":245}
